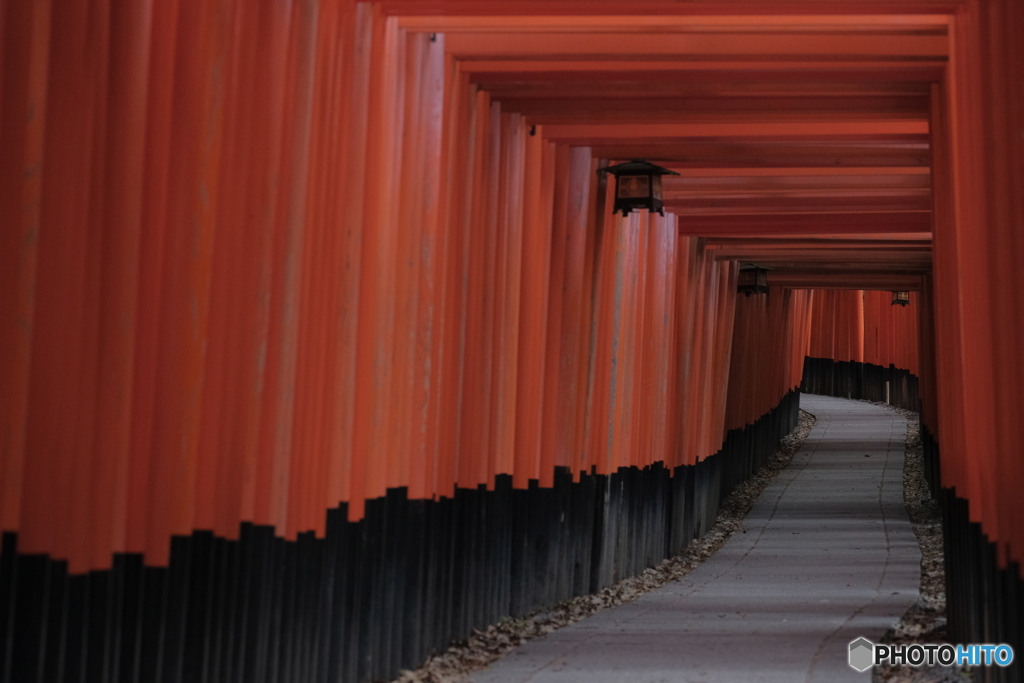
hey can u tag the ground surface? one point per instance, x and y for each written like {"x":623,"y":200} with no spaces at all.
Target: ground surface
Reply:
{"x":485,"y":647}
{"x":925,"y":622}
{"x":827,"y":554}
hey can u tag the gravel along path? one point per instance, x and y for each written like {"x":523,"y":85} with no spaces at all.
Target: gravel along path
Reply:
{"x":485,"y":647}
{"x":925,"y":621}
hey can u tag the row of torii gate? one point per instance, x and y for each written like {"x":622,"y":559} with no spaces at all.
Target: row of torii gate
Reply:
{"x":284,"y":286}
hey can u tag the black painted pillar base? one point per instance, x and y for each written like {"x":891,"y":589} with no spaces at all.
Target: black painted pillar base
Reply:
{"x":374,"y":596}
{"x":865,"y":381}
{"x":984,"y":602}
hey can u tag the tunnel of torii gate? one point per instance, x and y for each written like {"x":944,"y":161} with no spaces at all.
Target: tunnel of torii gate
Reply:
{"x":320,"y":344}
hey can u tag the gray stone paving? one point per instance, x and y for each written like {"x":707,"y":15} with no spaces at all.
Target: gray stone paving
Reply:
{"x":828,"y":555}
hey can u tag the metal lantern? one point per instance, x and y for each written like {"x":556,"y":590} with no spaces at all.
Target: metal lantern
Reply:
{"x":637,"y":186}
{"x":753,"y":280}
{"x":901,"y":298}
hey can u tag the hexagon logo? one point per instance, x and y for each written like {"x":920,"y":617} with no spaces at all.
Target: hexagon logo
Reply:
{"x":862,"y":654}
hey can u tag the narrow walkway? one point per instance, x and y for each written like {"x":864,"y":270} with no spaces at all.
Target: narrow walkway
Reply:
{"x":828,"y":555}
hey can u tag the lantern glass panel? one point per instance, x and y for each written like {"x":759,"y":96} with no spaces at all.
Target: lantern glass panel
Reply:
{"x":656,"y":191}
{"x":634,"y":186}
{"x":753,"y":280}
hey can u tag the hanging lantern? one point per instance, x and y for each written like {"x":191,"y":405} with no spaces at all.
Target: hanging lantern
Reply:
{"x":637,"y":186}
{"x":901,"y":298}
{"x":753,"y":280}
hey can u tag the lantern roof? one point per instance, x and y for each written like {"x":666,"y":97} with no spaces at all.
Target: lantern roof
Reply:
{"x":637,"y":167}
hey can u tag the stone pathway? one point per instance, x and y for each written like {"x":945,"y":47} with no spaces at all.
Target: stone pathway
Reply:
{"x":828,"y":555}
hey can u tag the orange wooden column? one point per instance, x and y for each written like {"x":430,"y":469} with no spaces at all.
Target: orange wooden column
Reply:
{"x":154,"y":215}
{"x":1000,"y":25}
{"x":658,"y":334}
{"x":477,"y":364}
{"x":975,"y":125}
{"x":240,"y":279}
{"x":265,"y":495}
{"x":592,"y":404}
{"x":799,"y":342}
{"x":741,"y":371}
{"x":512,"y":134}
{"x":960,"y":265}
{"x":926,"y":349}
{"x":685,"y":329}
{"x":121,"y":228}
{"x":564,"y":383}
{"x":594,"y":196}
{"x":371,"y":434}
{"x":724,"y":334}
{"x":691,"y":337}
{"x":59,"y":462}
{"x":24,"y":67}
{"x":537,"y":207}
{"x":459,"y":107}
{"x":188,"y":250}
{"x":618,"y":254}
{"x":630,"y":383}
{"x":426,"y":404}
